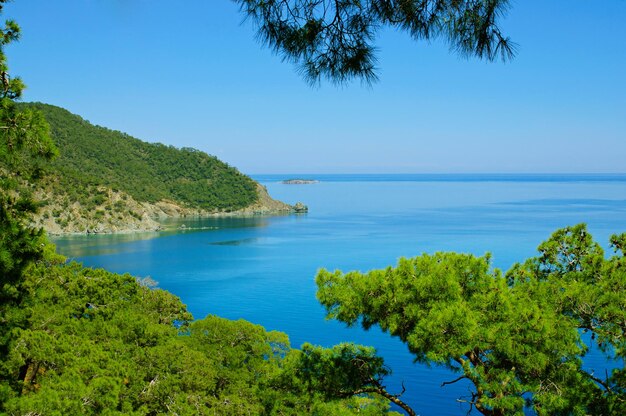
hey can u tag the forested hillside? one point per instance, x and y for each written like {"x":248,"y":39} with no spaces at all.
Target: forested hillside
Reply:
{"x":149,"y":172}
{"x":107,"y":181}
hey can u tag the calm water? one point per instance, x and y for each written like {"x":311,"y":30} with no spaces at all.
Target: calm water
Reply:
{"x":262,"y":269}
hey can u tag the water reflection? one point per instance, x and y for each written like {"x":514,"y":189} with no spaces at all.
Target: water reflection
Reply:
{"x":234,"y":242}
{"x":202,"y":224}
{"x":87,"y":245}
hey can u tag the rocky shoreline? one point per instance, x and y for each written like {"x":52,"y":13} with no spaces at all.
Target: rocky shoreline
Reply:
{"x":136,"y":217}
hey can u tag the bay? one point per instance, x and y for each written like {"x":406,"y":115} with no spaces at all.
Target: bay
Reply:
{"x":262,"y":269}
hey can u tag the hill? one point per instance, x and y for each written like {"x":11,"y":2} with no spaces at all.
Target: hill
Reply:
{"x":108,"y":181}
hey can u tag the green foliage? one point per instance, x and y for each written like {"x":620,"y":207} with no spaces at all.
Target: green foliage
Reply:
{"x":334,"y":39}
{"x":24,"y":144}
{"x":581,"y":283}
{"x":92,"y":157}
{"x":335,"y":380}
{"x":333,"y":373}
{"x":515,"y":338}
{"x":103,"y":343}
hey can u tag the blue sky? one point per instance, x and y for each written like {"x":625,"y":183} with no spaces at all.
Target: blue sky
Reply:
{"x":192,"y":74}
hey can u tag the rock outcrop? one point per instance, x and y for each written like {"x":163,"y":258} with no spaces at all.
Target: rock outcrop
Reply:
{"x":120,"y":213}
{"x":300,"y":208}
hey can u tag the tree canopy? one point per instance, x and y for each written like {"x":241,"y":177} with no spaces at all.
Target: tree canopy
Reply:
{"x":517,"y":337}
{"x":97,"y":342}
{"x":335,"y":38}
{"x":24,"y":144}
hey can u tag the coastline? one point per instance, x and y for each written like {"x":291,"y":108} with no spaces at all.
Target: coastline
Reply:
{"x":149,"y":217}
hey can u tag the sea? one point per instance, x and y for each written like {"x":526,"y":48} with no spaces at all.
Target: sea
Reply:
{"x":262,"y":269}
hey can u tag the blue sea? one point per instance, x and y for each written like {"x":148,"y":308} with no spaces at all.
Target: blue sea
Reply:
{"x":262,"y":269}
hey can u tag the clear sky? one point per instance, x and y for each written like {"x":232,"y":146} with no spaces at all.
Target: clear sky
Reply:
{"x":190,"y":73}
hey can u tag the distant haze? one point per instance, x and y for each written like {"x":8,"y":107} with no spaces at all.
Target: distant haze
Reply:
{"x":193,"y":75}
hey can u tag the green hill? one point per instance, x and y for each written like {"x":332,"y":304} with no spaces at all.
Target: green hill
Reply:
{"x":108,"y":181}
{"x":150,"y":172}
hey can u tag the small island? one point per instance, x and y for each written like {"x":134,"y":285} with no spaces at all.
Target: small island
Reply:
{"x":299,"y":181}
{"x":300,"y":208}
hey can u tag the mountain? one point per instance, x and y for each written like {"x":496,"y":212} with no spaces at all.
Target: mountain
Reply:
{"x":107,"y":181}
